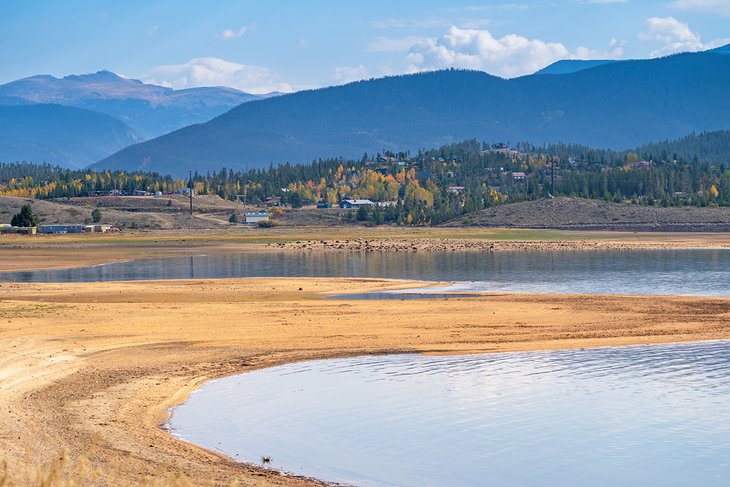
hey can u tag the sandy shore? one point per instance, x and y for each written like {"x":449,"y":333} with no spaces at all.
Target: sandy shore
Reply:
{"x":22,"y":253}
{"x":92,"y":368}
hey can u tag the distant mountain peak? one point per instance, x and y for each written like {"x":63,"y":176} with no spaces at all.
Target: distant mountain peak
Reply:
{"x":722,"y":49}
{"x":103,"y":75}
{"x":151,"y":110}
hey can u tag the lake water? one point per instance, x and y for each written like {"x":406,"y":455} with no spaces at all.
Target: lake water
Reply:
{"x":678,"y":272}
{"x":629,"y":416}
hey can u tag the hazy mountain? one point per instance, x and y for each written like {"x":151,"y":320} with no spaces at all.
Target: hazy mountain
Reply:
{"x":67,"y":136}
{"x":567,"y":66}
{"x":149,"y":109}
{"x":617,"y":105}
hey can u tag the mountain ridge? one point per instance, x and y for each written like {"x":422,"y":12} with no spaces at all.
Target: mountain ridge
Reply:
{"x":616,"y":105}
{"x":151,"y":110}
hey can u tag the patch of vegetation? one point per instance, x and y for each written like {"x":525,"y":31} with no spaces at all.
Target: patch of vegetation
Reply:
{"x":25,"y":218}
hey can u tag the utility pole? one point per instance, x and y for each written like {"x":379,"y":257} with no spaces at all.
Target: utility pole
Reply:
{"x":190,"y":186}
{"x":552,"y":176}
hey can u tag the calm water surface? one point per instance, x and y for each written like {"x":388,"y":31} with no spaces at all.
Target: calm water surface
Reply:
{"x":677,"y":272}
{"x":631,"y":416}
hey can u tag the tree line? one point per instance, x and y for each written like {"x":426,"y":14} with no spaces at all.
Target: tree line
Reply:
{"x":431,"y":185}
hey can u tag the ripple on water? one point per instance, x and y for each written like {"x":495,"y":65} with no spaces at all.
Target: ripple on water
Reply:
{"x":653,"y":415}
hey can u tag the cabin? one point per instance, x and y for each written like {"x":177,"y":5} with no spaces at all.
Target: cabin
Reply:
{"x":254,"y":218}
{"x":355,"y":204}
{"x":276,"y":201}
{"x":518,"y":176}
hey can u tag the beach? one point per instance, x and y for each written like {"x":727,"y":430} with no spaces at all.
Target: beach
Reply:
{"x":91,"y":369}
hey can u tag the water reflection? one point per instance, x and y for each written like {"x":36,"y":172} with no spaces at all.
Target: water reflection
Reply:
{"x":618,"y":416}
{"x":677,"y":272}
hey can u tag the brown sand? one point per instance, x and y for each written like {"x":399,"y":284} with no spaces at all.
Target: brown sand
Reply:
{"x":92,"y":368}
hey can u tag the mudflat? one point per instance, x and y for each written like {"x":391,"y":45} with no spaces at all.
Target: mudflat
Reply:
{"x":90,"y":369}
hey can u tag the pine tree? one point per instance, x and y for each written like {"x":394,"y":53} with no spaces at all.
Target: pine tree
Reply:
{"x":26,"y":218}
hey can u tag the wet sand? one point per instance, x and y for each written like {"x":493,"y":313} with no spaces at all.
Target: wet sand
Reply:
{"x":92,"y":368}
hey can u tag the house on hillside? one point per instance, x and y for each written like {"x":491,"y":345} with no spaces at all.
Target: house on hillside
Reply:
{"x":642,"y":165}
{"x":348,"y":203}
{"x":518,"y":176}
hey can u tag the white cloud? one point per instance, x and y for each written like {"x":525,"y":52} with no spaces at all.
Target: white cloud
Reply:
{"x":229,"y":34}
{"x":721,"y":7}
{"x":674,"y":36}
{"x":210,"y":71}
{"x":393,"y":44}
{"x":508,"y":56}
{"x":474,"y":23}
{"x":346,"y":74}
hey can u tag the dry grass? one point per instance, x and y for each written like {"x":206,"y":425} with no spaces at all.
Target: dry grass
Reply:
{"x":63,"y":471}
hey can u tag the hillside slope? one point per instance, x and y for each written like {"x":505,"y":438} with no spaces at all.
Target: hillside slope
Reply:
{"x":567,"y":66}
{"x":584,"y":214}
{"x":616,"y":105}
{"x":70,"y":137}
{"x":145,"y":214}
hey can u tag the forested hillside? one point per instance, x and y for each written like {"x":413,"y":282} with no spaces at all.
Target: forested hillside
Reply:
{"x":430,"y":186}
{"x":617,"y":105}
{"x":67,"y":136}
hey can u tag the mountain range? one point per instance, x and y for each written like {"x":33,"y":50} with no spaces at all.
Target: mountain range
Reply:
{"x":617,"y":105}
{"x":143,"y":111}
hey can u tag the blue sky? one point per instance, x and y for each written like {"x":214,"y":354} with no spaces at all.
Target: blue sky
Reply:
{"x":290,"y":45}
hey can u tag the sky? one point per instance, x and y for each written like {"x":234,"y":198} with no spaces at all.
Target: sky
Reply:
{"x":286,"y":46}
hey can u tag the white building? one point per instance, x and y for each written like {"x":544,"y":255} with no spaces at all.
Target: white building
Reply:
{"x":254,"y":218}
